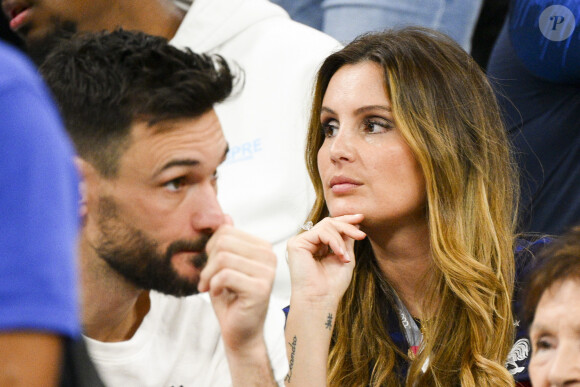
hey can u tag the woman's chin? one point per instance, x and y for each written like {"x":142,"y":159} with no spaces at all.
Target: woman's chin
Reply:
{"x":340,"y":211}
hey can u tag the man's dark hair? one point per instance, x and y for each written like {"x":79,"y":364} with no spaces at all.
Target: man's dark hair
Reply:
{"x":105,"y":82}
{"x":557,"y":263}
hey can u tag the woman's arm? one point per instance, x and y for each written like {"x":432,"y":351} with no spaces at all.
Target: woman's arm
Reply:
{"x":321,"y":263}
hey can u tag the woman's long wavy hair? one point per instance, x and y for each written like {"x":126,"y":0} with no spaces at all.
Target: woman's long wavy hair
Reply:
{"x":447,"y":113}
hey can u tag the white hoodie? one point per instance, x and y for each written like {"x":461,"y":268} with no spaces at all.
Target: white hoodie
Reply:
{"x":263,"y":184}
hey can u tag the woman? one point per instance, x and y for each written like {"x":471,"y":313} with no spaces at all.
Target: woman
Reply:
{"x":409,"y":158}
{"x":551,"y":306}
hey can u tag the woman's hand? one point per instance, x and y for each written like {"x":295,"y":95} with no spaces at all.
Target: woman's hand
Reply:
{"x":322,"y":259}
{"x":321,"y":263}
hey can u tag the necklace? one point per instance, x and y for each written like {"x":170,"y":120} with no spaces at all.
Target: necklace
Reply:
{"x":413,"y":334}
{"x":411,"y":330}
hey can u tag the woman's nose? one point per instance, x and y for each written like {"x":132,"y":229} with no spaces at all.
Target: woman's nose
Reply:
{"x":342,"y":147}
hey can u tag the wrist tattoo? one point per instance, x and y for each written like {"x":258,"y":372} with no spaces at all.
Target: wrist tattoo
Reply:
{"x":292,"y":354}
{"x":329,"y":322}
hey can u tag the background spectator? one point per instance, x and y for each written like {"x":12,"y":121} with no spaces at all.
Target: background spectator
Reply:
{"x":552,"y":307}
{"x":38,"y":228}
{"x":346,"y":19}
{"x":535,"y":68}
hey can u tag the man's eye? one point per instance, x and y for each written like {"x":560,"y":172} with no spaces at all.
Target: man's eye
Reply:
{"x":175,"y":184}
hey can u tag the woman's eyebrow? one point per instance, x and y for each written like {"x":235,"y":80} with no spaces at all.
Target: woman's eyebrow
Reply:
{"x":364,"y":109}
{"x":361,"y":109}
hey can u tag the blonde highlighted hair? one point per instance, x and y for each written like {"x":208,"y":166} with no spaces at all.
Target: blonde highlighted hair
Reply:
{"x":447,"y":113}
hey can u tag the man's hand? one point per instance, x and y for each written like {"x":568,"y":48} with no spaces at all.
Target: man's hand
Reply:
{"x":239,"y":276}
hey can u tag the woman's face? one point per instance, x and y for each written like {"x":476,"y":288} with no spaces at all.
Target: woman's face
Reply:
{"x":365,"y":164}
{"x":555,"y":336}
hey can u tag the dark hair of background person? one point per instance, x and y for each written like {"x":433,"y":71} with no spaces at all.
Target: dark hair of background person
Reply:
{"x":559,"y":262}
{"x":104,"y":82}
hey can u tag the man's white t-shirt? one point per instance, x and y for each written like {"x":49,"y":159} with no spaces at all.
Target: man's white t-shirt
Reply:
{"x":179,"y":344}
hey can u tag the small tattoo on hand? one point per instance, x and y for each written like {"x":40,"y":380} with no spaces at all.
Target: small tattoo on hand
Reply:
{"x":329,"y":321}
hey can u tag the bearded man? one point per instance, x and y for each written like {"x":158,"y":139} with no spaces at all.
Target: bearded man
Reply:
{"x":140,"y":113}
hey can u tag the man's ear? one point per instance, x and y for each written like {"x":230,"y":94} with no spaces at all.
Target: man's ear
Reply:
{"x":88,"y":184}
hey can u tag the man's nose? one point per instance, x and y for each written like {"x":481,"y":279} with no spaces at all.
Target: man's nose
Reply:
{"x":208,"y":215}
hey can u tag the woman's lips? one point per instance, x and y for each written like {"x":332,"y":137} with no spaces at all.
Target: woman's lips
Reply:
{"x":340,"y":184}
{"x":343,"y":188}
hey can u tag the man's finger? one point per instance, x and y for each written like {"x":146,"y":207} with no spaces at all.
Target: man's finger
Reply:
{"x":239,"y":284}
{"x":234,"y":240}
{"x":227,"y":260}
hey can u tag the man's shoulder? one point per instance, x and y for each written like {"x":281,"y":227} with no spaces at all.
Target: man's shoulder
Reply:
{"x":178,"y":343}
{"x":197,"y":315}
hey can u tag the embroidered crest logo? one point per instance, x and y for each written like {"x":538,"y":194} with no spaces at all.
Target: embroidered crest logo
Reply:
{"x":520,"y":351}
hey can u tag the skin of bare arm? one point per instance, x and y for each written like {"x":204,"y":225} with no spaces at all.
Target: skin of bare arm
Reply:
{"x":321,"y":264}
{"x":29,"y":359}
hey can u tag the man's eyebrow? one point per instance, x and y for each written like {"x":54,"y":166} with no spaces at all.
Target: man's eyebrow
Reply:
{"x":186,"y":163}
{"x":177,"y":163}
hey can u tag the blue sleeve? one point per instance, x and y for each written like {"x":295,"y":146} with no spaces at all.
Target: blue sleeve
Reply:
{"x":38,"y":207}
{"x":546,"y":38}
{"x":537,"y":82}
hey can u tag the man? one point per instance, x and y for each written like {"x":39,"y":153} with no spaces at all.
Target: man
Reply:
{"x":140,"y":114}
{"x":38,"y":228}
{"x":264,"y":185}
{"x":535,"y":65}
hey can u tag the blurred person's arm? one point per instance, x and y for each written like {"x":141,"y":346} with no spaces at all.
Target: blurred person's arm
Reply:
{"x":29,"y":359}
{"x":38,"y":228}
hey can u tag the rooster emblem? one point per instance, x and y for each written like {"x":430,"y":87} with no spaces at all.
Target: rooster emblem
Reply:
{"x":519,"y":351}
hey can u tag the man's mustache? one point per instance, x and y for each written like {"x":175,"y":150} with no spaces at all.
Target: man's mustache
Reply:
{"x":184,"y":245}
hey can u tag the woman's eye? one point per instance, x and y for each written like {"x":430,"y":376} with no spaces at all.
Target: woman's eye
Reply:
{"x":376,"y":125}
{"x":543,"y":344}
{"x":175,"y":184}
{"x":330,"y":128}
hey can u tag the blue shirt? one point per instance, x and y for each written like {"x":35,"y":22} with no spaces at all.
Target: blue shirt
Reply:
{"x":38,"y":206}
{"x":537,"y":79}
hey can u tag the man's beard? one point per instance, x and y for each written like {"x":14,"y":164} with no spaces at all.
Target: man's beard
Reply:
{"x":39,"y":48}
{"x":134,"y":255}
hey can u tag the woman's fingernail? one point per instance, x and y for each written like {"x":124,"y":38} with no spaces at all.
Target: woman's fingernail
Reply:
{"x":346,"y":257}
